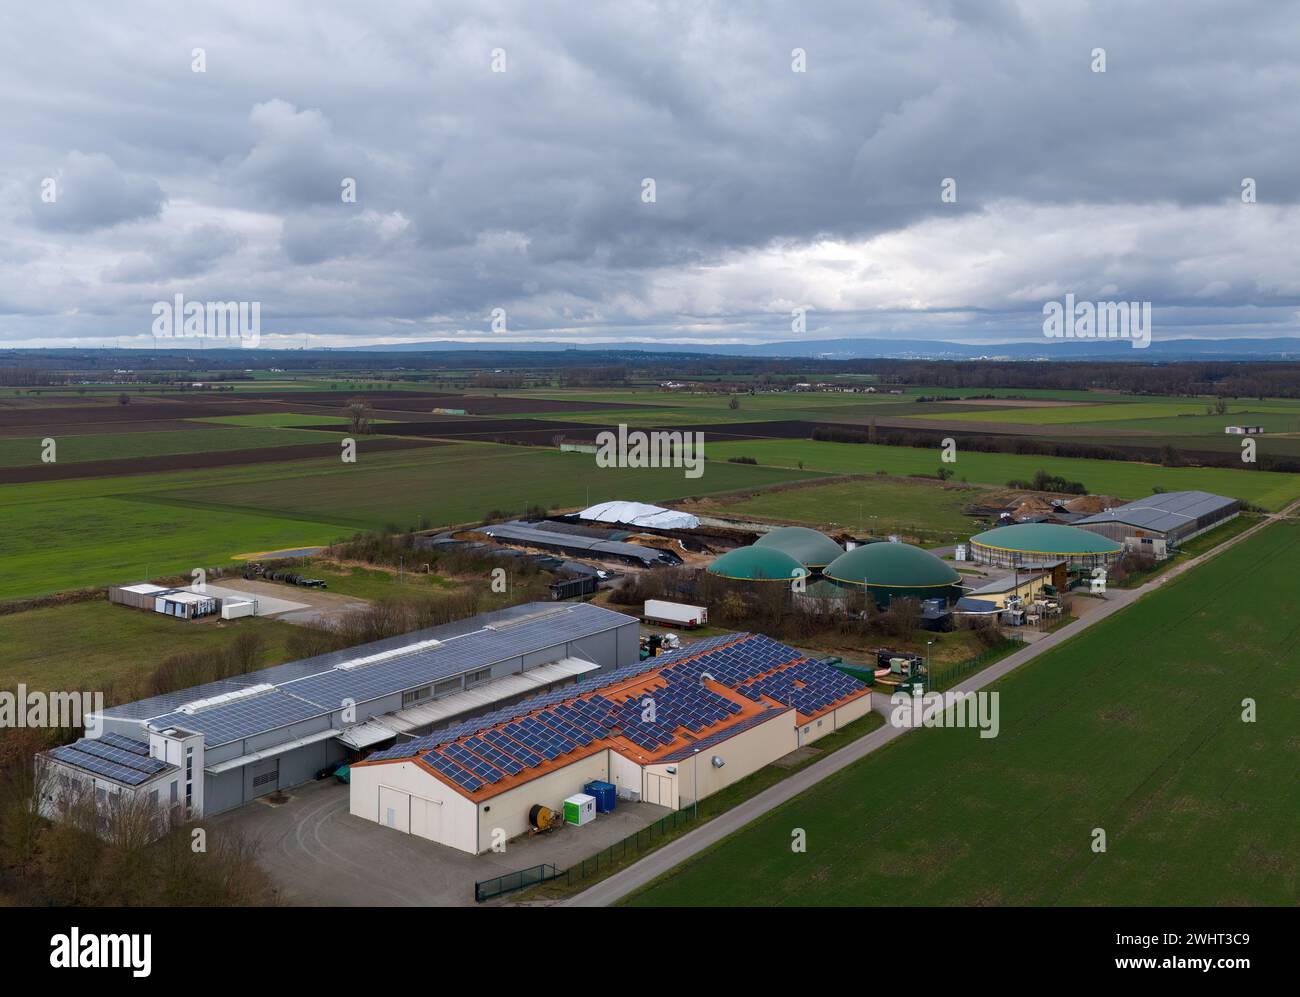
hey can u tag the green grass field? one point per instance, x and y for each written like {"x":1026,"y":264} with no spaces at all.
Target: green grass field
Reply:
{"x":460,"y":483}
{"x":98,"y":531}
{"x":1134,"y":727}
{"x":870,"y":506}
{"x":90,"y":645}
{"x":1121,"y":479}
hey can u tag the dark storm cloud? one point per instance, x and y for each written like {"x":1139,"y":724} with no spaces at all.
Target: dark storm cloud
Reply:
{"x":774,"y":189}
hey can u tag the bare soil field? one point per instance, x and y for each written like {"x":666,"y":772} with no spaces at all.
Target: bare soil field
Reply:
{"x":423,"y":401}
{"x":38,"y":420}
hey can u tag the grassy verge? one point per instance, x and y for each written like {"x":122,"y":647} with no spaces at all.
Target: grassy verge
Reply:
{"x":1193,"y":548}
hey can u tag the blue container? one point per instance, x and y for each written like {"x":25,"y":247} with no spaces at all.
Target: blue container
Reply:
{"x":605,"y":794}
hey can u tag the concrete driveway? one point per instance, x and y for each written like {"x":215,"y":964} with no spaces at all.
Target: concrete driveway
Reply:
{"x":320,"y":855}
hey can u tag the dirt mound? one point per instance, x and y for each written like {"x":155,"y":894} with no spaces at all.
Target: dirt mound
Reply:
{"x":1090,"y":504}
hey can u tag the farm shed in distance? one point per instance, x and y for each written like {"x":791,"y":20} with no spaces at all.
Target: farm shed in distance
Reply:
{"x":1172,"y":516}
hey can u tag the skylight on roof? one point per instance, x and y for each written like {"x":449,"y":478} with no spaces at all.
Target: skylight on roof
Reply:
{"x":199,"y":705}
{"x":397,"y":652}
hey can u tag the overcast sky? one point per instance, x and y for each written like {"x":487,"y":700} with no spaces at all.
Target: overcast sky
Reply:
{"x":523,"y":190}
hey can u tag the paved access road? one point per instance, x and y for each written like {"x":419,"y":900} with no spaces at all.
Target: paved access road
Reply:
{"x":673,"y":854}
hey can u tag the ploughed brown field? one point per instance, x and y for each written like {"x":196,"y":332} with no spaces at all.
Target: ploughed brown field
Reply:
{"x":192,"y":461}
{"x":544,"y":431}
{"x":424,"y":401}
{"x":144,"y":413}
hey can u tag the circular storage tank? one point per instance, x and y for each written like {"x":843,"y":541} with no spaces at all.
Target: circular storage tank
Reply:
{"x":1043,"y":543}
{"x":757,"y":564}
{"x":894,"y":571}
{"x":811,"y":549}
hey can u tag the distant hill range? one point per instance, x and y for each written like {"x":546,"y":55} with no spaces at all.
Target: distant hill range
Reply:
{"x":914,"y":349}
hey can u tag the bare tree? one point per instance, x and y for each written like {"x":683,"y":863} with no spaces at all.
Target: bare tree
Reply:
{"x":359,"y":415}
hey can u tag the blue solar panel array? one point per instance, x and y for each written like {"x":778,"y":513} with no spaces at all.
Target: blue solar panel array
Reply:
{"x":324,"y":688}
{"x":505,"y":742}
{"x":113,"y":756}
{"x":808,"y":686}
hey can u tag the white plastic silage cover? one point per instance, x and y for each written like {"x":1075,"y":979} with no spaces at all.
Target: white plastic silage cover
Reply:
{"x":640,"y":514}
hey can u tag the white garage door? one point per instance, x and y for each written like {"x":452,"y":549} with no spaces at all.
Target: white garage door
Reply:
{"x":425,"y":818}
{"x":659,"y":790}
{"x":395,"y":809}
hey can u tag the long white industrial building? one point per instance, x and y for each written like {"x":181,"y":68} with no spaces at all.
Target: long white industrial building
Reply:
{"x":226,"y":743}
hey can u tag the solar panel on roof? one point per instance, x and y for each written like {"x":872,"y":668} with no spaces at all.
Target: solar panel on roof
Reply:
{"x":462,"y":777}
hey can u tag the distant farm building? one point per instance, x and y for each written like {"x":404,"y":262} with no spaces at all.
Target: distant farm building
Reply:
{"x":1243,"y":430}
{"x":182,"y":603}
{"x":892,"y":571}
{"x":1173,"y":517}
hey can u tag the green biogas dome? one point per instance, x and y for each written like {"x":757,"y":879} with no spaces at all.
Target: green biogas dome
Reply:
{"x":1043,"y":543}
{"x":808,"y":547}
{"x":757,"y":564}
{"x":894,"y":571}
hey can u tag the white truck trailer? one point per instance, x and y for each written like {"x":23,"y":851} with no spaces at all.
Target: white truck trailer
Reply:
{"x":675,"y":614}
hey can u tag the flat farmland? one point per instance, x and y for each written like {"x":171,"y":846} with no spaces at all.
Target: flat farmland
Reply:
{"x":1121,"y":479}
{"x":26,"y":452}
{"x":95,"y":645}
{"x":1135,"y":727}
{"x":104,"y":530}
{"x":870,"y":505}
{"x":460,"y":483}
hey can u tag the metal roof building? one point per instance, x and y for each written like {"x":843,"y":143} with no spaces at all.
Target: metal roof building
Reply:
{"x":668,"y":730}
{"x":1171,"y":516}
{"x":529,"y":535}
{"x":243,"y":737}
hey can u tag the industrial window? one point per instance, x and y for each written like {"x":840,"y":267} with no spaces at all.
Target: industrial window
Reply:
{"x":446,"y":686}
{"x":415,"y":695}
{"x":478,"y":677}
{"x":175,"y":791}
{"x":153,"y":797}
{"x":264,"y":778}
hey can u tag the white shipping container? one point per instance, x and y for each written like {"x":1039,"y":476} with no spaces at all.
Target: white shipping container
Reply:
{"x":233,"y":609}
{"x":676,"y":613}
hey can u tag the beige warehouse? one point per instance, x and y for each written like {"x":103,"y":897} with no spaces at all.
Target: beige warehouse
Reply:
{"x":708,"y":715}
